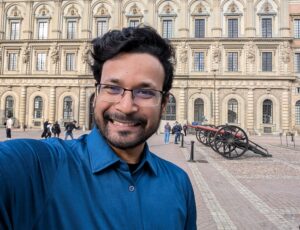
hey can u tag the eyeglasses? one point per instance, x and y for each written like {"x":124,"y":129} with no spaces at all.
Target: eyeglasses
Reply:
{"x":142,"y":97}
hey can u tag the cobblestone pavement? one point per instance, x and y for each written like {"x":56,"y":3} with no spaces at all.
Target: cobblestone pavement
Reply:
{"x":251,"y":192}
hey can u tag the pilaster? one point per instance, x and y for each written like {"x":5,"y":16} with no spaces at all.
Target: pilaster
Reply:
{"x":216,"y":29}
{"x":182,"y":104}
{"x":28,"y":30}
{"x":86,"y":32}
{"x":56,"y":20}
{"x":183,"y":29}
{"x":250,"y":111}
{"x":1,"y":20}
{"x":250,"y":29}
{"x":284,"y":19}
{"x":82,"y":107}
{"x":52,"y":104}
{"x":285,"y":110}
{"x":23,"y":106}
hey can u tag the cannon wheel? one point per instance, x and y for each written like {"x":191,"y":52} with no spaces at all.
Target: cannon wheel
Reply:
{"x":202,"y":136}
{"x":211,"y":138}
{"x":231,"y":141}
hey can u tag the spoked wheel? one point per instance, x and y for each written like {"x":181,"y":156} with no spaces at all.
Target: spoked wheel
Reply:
{"x":211,"y":138}
{"x":231,"y":141}
{"x":202,"y":136}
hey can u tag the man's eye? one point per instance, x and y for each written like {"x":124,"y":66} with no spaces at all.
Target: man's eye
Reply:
{"x":145,"y":93}
{"x":112,"y":89}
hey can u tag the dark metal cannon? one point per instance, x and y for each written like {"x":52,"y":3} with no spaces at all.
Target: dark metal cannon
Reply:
{"x":228,"y":140}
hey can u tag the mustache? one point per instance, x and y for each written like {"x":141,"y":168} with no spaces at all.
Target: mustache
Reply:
{"x":124,"y":118}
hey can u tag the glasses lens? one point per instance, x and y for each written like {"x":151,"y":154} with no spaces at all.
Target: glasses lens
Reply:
{"x":146,"y":97}
{"x":110,"y":93}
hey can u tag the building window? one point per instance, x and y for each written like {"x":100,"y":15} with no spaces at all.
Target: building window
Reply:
{"x":167,"y":28}
{"x":41,"y":62}
{"x":267,"y":112}
{"x":297,"y":113}
{"x":232,"y":58}
{"x":70,"y":61}
{"x":134,"y":22}
{"x":71,"y":29}
{"x":298,"y":90}
{"x":266,"y":26}
{"x":170,"y":112}
{"x":266,"y":61}
{"x":199,"y":28}
{"x":42,"y":29}
{"x":199,"y":61}
{"x":232,"y":111}
{"x":38,"y":107}
{"x":12,"y":62}
{"x":67,"y":109}
{"x":14,"y":30}
{"x":297,"y":63}
{"x":9,"y":106}
{"x":199,"y":110}
{"x":102,"y":27}
{"x":297,"y":28}
{"x":233,"y":29}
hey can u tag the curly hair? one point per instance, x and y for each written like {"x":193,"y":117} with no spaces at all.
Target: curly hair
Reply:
{"x":134,"y":40}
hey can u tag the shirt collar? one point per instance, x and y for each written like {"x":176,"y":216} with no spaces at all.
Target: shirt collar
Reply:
{"x":102,"y":156}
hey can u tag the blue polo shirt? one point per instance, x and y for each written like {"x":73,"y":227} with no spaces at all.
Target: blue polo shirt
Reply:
{"x":83,"y":184}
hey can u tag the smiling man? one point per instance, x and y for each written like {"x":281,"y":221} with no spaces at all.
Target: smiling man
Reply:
{"x":107,"y":179}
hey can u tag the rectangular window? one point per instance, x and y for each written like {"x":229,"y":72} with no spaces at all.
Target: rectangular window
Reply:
{"x":102,"y":27}
{"x":267,"y":61}
{"x":297,"y":28}
{"x":266,"y":26}
{"x":199,"y":28}
{"x":12,"y":62}
{"x":70,"y":62}
{"x":199,"y":61}
{"x":71,"y":29}
{"x":41,"y":62}
{"x":14,"y":30}
{"x":297,"y":63}
{"x":134,"y":23}
{"x":233,"y":29}
{"x":167,"y":28}
{"x":232,"y":61}
{"x":42,"y":29}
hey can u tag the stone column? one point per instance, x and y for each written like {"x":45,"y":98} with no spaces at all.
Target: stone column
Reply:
{"x":182,"y":105}
{"x":52,"y":104}
{"x":250,"y":111}
{"x":183,"y":24}
{"x":217,"y":112}
{"x":250,"y":29}
{"x":86,"y":32}
{"x":284,"y":19}
{"x":56,"y":20}
{"x":27,"y":23}
{"x":284,"y":111}
{"x":217,"y":29}
{"x":82,"y":108}
{"x":22,"y":117}
{"x":1,"y":20}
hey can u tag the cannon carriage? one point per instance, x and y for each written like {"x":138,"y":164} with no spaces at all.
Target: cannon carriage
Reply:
{"x":230,"y":141}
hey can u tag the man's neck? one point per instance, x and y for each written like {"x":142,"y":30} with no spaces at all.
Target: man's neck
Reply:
{"x":132,"y":155}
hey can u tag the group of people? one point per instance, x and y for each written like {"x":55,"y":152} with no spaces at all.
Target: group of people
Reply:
{"x":49,"y":129}
{"x":176,"y":129}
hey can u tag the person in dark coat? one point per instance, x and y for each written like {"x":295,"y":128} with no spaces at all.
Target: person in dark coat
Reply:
{"x":56,"y":129}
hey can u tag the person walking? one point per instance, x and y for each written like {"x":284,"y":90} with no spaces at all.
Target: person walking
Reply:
{"x":109,"y":178}
{"x":177,"y":130}
{"x":69,"y":129}
{"x":167,"y":133}
{"x":185,"y":127}
{"x":56,"y":129}
{"x":8,"y":127}
{"x":45,"y":129}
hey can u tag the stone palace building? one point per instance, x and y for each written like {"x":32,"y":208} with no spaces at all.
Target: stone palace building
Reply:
{"x":238,"y":61}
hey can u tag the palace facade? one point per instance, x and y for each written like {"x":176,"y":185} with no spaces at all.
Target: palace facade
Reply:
{"x":238,"y":61}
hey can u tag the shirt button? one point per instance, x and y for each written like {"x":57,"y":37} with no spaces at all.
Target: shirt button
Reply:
{"x":131,"y":188}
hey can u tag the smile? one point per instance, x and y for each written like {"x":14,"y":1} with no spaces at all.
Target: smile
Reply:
{"x":124,"y":123}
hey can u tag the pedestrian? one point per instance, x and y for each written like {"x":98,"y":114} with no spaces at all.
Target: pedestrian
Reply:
{"x":24,"y":127}
{"x":167,"y":133}
{"x":69,"y":129}
{"x":56,"y":129}
{"x":45,"y":129}
{"x":185,"y":127}
{"x":49,"y":128}
{"x":8,"y":126}
{"x":109,"y":178}
{"x":177,"y":131}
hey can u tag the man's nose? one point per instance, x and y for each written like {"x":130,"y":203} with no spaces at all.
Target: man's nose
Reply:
{"x":127,"y":104}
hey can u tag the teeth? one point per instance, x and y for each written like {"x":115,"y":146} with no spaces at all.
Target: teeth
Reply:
{"x":123,"y":123}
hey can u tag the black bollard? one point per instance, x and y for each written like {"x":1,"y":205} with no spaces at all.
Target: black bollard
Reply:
{"x":182,"y":140}
{"x":192,"y":152}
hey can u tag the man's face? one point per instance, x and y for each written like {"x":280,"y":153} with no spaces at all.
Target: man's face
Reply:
{"x":125,"y":124}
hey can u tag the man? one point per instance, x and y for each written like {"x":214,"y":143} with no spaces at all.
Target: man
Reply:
{"x":8,"y":125}
{"x":167,"y":133}
{"x":107,"y":179}
{"x":69,"y":129}
{"x":45,"y":129}
{"x":177,"y":130}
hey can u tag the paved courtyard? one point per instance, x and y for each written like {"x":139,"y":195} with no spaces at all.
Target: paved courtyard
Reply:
{"x":252,"y":192}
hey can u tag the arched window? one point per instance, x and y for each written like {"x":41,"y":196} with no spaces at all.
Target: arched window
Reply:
{"x":170,"y":113}
{"x":267,"y":112}
{"x":297,"y":111}
{"x":9,"y":106}
{"x":68,"y":111}
{"x":38,"y":107}
{"x":199,"y":110}
{"x":232,"y":111}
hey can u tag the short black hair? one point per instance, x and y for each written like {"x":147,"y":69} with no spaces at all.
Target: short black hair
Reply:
{"x":141,"y":39}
